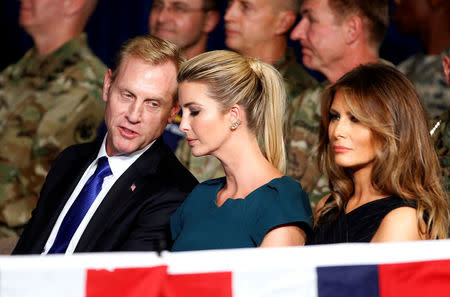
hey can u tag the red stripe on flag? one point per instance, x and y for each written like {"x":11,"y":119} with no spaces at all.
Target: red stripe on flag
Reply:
{"x":217,"y":284}
{"x":418,"y":279}
{"x":125,"y":282}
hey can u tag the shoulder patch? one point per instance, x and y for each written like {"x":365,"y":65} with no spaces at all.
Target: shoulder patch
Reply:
{"x":85,"y":130}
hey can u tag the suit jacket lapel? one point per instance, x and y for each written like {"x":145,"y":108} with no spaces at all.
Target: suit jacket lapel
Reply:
{"x":61,"y":190}
{"x":129,"y":187}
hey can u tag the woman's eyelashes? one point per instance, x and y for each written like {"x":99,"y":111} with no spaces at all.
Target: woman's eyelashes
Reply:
{"x":194,"y":112}
{"x":354,"y":119}
{"x":334,"y":116}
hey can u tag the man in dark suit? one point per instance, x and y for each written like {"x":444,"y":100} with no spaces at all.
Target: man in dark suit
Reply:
{"x":118,"y":195}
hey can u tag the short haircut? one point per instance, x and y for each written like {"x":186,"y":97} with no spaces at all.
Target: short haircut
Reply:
{"x":291,"y":5}
{"x":375,"y":13}
{"x":150,"y":49}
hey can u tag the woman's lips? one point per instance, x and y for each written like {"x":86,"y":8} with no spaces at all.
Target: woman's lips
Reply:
{"x":341,"y":149}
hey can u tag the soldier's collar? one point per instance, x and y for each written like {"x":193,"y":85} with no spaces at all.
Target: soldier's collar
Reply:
{"x":59,"y":59}
{"x":288,"y":56}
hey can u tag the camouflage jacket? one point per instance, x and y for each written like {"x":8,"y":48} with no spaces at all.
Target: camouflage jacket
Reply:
{"x":46,"y":104}
{"x":296,"y":81}
{"x":428,"y":77}
{"x":441,"y":137}
{"x":301,"y":140}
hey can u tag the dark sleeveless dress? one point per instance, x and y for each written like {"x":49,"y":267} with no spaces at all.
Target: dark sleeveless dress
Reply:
{"x":359,"y":225}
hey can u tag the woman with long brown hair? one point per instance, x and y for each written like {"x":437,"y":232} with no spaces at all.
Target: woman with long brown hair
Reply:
{"x":384,"y":175}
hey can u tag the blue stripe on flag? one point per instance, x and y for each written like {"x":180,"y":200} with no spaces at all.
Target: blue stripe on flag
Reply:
{"x":355,"y":281}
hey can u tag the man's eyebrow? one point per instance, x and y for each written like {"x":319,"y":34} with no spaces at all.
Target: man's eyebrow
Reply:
{"x":178,"y":3}
{"x":248,"y":3}
{"x":159,"y":99}
{"x":125,"y":89}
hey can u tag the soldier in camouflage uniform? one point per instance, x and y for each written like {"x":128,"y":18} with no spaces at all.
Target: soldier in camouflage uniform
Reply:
{"x":251,"y":37}
{"x":425,"y":72}
{"x":441,"y":133}
{"x":430,"y":22}
{"x":49,"y":100}
{"x":302,"y":136}
{"x":189,"y":31}
{"x":330,"y":53}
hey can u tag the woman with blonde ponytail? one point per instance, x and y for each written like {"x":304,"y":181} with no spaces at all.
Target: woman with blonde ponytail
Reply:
{"x":233,"y":109}
{"x":384,"y":174}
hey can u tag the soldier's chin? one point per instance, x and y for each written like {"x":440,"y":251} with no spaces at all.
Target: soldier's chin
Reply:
{"x":231,"y":43}
{"x":165,"y":34}
{"x":308,"y":61}
{"x":198,"y":153}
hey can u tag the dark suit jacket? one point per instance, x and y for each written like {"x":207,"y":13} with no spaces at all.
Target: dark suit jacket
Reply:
{"x":126,"y":220}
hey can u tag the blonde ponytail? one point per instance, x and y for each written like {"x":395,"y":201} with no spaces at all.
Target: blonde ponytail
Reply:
{"x":273,"y":98}
{"x":256,"y":86}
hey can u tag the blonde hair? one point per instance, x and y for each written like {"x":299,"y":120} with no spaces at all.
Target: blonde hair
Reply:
{"x":406,"y":164}
{"x":152,"y":50}
{"x":256,"y":86}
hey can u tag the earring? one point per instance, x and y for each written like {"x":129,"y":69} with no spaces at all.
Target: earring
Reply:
{"x":235,"y":124}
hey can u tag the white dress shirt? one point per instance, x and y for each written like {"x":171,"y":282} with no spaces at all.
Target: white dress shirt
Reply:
{"x":118,"y":165}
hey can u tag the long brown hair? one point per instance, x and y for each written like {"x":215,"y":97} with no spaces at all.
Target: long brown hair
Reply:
{"x":406,"y":164}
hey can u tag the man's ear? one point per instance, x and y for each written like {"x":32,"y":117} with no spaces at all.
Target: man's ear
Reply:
{"x":211,"y":20}
{"x":72,"y":7}
{"x":285,"y":21}
{"x":107,"y":85}
{"x":353,"y":27}
{"x":174,"y":112}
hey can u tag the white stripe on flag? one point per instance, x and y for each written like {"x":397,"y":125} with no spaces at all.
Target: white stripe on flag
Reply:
{"x":60,"y":275}
{"x":298,"y":282}
{"x":33,"y":276}
{"x":255,"y":272}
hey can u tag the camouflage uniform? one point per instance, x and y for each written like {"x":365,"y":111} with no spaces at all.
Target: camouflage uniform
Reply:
{"x":442,"y":141}
{"x":302,"y":136}
{"x":46,"y":104}
{"x":296,"y":81}
{"x":427,"y":76}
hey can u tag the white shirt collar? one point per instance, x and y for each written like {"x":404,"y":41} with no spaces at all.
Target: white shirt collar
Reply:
{"x":119,"y":164}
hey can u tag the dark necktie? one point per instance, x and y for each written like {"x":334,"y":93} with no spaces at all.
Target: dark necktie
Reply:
{"x":80,"y":207}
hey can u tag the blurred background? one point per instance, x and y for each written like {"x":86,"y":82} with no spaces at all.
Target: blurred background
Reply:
{"x":115,"y":21}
